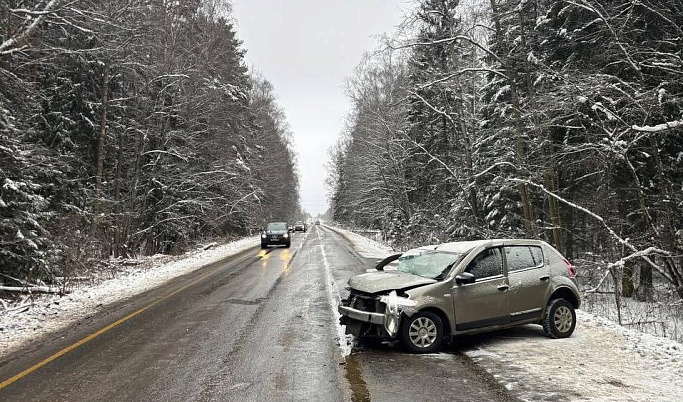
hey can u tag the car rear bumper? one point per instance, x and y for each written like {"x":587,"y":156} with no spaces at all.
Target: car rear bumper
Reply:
{"x":364,"y":316}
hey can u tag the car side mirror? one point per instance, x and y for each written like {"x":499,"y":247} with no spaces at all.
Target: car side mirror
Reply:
{"x":380,"y":265}
{"x":465,"y":278}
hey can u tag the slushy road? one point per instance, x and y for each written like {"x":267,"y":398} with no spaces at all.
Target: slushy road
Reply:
{"x":258,"y":326}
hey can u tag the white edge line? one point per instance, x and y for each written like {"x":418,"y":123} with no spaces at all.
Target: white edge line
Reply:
{"x":333,"y":298}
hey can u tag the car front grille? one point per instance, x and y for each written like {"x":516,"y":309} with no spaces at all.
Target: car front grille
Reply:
{"x":365,"y":302}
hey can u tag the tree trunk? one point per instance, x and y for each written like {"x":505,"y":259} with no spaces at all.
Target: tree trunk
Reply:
{"x":546,"y":141}
{"x":118,"y":232}
{"x":645,"y":289}
{"x":101,"y":140}
{"x":627,"y":285}
{"x":527,"y":212}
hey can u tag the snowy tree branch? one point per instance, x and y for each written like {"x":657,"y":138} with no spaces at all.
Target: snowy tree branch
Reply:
{"x":636,"y":253}
{"x":13,"y":41}
{"x":659,"y":127}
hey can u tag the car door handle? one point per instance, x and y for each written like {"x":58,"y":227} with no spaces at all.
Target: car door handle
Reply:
{"x":544,"y":278}
{"x":503,"y":288}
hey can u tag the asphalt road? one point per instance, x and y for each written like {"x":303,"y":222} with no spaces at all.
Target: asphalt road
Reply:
{"x":259,"y":326}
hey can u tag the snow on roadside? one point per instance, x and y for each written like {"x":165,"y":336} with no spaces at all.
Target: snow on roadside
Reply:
{"x":49,"y":313}
{"x":602,"y":361}
{"x":599,"y":362}
{"x":367,"y":248}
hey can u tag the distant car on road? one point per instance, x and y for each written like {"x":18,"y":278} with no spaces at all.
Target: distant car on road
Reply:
{"x":317,"y":222}
{"x":459,"y":288}
{"x":299,"y":226}
{"x":275,"y":233}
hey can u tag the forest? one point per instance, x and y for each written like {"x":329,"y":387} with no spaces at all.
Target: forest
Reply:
{"x":556,"y":120}
{"x":131,"y":128}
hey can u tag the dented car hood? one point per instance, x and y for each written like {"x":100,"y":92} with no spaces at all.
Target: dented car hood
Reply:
{"x":375,"y":282}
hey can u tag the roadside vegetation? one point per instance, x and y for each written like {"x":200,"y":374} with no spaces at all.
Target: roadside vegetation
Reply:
{"x":557,"y":120}
{"x":130,"y":128}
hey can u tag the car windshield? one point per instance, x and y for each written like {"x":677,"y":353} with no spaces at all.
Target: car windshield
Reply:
{"x":276,"y":226}
{"x":430,"y":264}
{"x":298,"y":223}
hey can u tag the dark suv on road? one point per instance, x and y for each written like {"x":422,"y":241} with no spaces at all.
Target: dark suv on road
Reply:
{"x":299,"y":226}
{"x":275,"y":233}
{"x":440,"y":291}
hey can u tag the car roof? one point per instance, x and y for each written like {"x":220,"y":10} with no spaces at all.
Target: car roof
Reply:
{"x":465,"y":246}
{"x":461,"y":246}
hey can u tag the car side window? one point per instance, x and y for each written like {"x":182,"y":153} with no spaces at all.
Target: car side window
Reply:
{"x":487,"y":263}
{"x":537,"y":253}
{"x":523,"y":257}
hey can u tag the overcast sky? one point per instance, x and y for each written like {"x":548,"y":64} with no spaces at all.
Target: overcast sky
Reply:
{"x":307,"y":49}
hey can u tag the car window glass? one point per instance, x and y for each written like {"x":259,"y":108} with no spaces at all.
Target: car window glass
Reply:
{"x":276,"y":226}
{"x":430,"y":264}
{"x":522,"y":257}
{"x":487,"y":263}
{"x":537,"y":253}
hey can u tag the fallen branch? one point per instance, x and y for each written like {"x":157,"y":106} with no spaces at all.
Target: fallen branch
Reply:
{"x":18,"y":309}
{"x":31,"y":289}
{"x":595,"y":289}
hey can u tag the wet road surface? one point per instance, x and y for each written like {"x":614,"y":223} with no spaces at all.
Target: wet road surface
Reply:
{"x":259,"y":326}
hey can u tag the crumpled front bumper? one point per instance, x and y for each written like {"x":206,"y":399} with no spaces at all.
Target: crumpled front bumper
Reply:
{"x":360,"y":315}
{"x":389,"y":320}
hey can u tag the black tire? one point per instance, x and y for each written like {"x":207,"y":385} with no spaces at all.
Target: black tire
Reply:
{"x":288,"y":244}
{"x":556,"y":321}
{"x":415,"y":339}
{"x":264,"y":245}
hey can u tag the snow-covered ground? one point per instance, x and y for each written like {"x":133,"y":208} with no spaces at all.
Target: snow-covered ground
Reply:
{"x":600,"y":362}
{"x":367,"y":248}
{"x":48,"y":313}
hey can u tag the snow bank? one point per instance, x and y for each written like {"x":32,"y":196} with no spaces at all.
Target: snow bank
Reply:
{"x":367,"y":248}
{"x":602,"y":361}
{"x":21,"y":324}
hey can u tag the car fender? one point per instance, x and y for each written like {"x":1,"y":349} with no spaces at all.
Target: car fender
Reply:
{"x":441,"y":305}
{"x":563,"y":282}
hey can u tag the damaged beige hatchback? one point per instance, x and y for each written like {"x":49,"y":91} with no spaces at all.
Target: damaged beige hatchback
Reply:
{"x":430,"y":293}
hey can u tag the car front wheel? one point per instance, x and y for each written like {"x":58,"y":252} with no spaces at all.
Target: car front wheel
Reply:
{"x":422,"y":332}
{"x":559,"y":320}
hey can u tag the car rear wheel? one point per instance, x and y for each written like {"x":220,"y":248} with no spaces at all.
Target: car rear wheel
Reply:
{"x":559,"y":320}
{"x":422,"y":332}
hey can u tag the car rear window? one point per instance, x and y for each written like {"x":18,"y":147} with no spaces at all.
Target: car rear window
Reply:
{"x":523,"y":257}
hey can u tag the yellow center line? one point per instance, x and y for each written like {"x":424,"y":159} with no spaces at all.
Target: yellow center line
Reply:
{"x":96,"y":334}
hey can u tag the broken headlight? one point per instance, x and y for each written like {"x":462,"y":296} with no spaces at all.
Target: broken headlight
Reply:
{"x":395,"y":306}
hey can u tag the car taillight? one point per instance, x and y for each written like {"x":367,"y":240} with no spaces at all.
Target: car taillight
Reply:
{"x":570,"y":268}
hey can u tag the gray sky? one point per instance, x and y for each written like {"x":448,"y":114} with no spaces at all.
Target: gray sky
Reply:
{"x":306,"y":49}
